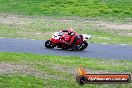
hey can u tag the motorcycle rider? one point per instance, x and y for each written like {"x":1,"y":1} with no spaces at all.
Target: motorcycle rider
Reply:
{"x":69,"y":38}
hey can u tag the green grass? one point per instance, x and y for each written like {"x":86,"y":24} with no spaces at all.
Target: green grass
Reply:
{"x":20,"y":81}
{"x":92,"y":8}
{"x":39,"y":19}
{"x":43,"y":28}
{"x":55,"y":71}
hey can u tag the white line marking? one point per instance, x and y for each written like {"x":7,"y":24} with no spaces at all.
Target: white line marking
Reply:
{"x":2,"y":37}
{"x":123,"y":44}
{"x":104,"y":43}
{"x":25,"y":38}
{"x":19,"y":38}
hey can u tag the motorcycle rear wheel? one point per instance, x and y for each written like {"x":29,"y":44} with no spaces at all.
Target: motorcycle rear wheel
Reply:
{"x":83,"y":46}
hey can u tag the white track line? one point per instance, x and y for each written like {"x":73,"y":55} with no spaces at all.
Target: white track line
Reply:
{"x":2,"y":37}
{"x":104,"y":43}
{"x":123,"y":44}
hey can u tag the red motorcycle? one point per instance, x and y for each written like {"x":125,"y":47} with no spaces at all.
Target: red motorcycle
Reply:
{"x":80,"y":41}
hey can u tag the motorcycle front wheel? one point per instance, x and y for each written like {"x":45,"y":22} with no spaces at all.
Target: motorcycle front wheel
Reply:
{"x":48,"y":44}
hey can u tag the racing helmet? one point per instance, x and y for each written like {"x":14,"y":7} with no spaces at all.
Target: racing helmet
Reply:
{"x":70,"y":30}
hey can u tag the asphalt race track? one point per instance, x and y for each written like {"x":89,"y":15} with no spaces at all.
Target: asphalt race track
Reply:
{"x":94,"y":50}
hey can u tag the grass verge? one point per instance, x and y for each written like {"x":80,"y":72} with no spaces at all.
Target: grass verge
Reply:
{"x":92,"y":8}
{"x":83,"y":18}
{"x":13,"y":26}
{"x":31,"y":71}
